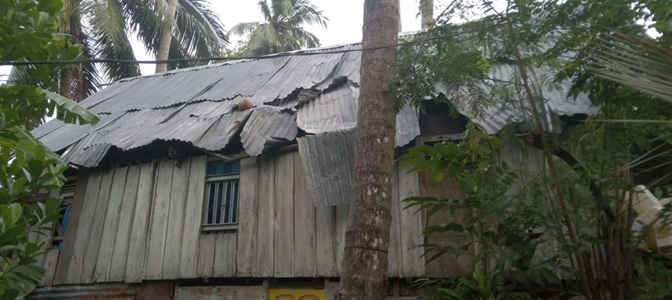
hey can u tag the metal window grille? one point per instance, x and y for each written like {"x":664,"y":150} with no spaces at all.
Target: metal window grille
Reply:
{"x":221,"y":196}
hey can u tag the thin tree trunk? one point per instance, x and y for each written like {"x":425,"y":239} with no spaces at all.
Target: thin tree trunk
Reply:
{"x":427,"y":12}
{"x":65,"y":88}
{"x":367,"y":235}
{"x":166,"y":39}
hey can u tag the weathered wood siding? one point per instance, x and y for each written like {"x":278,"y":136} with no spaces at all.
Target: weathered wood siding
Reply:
{"x":143,"y":222}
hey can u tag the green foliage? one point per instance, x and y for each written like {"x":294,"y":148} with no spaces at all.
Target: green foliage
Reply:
{"x":282,"y":29}
{"x":28,"y":32}
{"x":534,"y":227}
{"x":480,"y":286}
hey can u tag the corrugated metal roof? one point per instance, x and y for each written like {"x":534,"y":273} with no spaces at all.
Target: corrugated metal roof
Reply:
{"x":267,"y":127}
{"x":198,"y":106}
{"x":332,"y":110}
{"x":328,"y":159}
{"x":506,"y":110}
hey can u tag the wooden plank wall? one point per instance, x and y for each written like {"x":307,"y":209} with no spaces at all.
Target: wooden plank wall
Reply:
{"x":143,"y":222}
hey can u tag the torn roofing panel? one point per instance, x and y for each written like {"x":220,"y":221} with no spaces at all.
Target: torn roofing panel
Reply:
{"x":331,"y":110}
{"x":198,"y":105}
{"x":328,"y":160}
{"x":267,"y":127}
{"x":407,"y":125}
{"x":301,"y":72}
{"x":337,"y":110}
{"x":512,"y":106}
{"x":244,"y":79}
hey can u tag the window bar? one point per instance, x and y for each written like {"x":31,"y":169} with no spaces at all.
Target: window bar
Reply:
{"x":211,"y":199}
{"x":234,"y":207}
{"x":227,"y":200}
{"x":225,"y":205}
{"x":220,"y":187}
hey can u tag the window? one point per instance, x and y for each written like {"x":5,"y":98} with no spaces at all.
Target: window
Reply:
{"x":221,"y":195}
{"x":67,"y":193}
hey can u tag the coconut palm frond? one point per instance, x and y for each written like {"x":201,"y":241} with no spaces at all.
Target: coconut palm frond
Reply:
{"x":307,"y":39}
{"x":244,"y":28}
{"x":634,"y":62}
{"x":200,"y":29}
{"x":265,"y":10}
{"x":109,"y":39}
{"x":307,"y":13}
{"x":282,"y":29}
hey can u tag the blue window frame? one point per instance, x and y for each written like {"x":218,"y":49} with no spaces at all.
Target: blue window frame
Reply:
{"x":61,"y":227}
{"x":221,"y":195}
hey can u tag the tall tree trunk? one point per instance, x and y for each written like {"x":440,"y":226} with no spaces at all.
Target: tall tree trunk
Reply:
{"x":166,"y":38}
{"x":70,"y":22}
{"x":427,"y":12}
{"x":367,"y":235}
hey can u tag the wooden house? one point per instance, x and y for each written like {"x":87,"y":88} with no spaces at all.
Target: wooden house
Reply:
{"x":177,"y":193}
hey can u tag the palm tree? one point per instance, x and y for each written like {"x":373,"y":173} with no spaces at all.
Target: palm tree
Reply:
{"x":634,"y":62}
{"x":283,"y":27}
{"x":105,"y":29}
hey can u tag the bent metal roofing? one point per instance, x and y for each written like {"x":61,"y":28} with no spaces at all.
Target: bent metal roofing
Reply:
{"x":316,"y":93}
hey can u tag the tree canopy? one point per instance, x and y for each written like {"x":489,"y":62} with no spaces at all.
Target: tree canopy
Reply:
{"x":28,"y":32}
{"x":579,"y":208}
{"x":283,"y":27}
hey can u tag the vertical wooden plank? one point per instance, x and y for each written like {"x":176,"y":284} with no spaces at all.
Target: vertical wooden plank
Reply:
{"x":178,"y":199}
{"x":65,"y":256}
{"x":247,"y":216}
{"x":159,"y":220}
{"x":126,"y":215}
{"x":447,"y":265}
{"x":304,"y":225}
{"x":43,"y":235}
{"x":49,"y":265}
{"x":284,"y":215}
{"x":110,"y":225}
{"x":411,"y":238}
{"x":225,"y":254}
{"x":193,"y":218}
{"x":135,"y":262}
{"x":325,"y":241}
{"x":206,"y":255}
{"x":83,"y":228}
{"x":265,"y":219}
{"x":330,"y":288}
{"x":394,"y":253}
{"x":93,"y":243}
{"x":341,"y":224}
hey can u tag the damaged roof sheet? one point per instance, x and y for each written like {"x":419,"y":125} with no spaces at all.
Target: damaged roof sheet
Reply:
{"x":314,"y":94}
{"x":328,"y":161}
{"x":198,"y":105}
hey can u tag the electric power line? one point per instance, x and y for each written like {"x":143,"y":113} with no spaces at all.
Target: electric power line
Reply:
{"x":307,"y":52}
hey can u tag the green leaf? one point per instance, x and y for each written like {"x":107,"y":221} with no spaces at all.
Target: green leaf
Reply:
{"x":70,"y":111}
{"x":11,"y":214}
